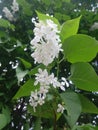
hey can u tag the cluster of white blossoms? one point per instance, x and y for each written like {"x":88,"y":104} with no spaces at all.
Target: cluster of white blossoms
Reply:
{"x":15,"y":6}
{"x":45,"y":81}
{"x":38,"y":97}
{"x":10,"y":14}
{"x":46,"y":43}
{"x":46,"y":47}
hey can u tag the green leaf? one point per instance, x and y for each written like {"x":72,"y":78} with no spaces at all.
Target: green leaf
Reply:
{"x":96,"y":128}
{"x":84,"y":76}
{"x":7,"y":113}
{"x":20,"y":73}
{"x":45,"y":17}
{"x":84,"y":127}
{"x":69,"y":28}
{"x":44,"y":111}
{"x":73,"y":106}
{"x":3,"y":121}
{"x":80,"y":48}
{"x":87,"y":105}
{"x":26,"y":126}
{"x":2,"y":34}
{"x":68,"y":1}
{"x":35,"y":70}
{"x":60,"y":16}
{"x":26,"y":89}
{"x":26,"y":7}
{"x":46,"y":2}
{"x":37,"y":125}
{"x":6,"y":24}
{"x":26,"y":64}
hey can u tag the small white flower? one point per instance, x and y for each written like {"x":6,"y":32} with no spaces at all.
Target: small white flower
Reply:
{"x":33,"y":20}
{"x":44,"y":90}
{"x":60,"y":108}
{"x":42,"y":77}
{"x":55,"y":82}
{"x":41,"y":101}
{"x":34,"y":95}
{"x":62,"y":87}
{"x":10,"y":14}
{"x":33,"y":103}
{"x":64,"y":82}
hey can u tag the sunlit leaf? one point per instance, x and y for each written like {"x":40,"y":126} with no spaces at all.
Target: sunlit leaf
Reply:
{"x":80,"y":48}
{"x":69,"y":28}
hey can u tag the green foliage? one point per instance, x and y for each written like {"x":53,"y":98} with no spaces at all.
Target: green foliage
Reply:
{"x":3,"y":121}
{"x":84,"y":127}
{"x":6,"y":111}
{"x":67,"y":1}
{"x":73,"y":107}
{"x":84,"y":76}
{"x":6,"y":24}
{"x":37,"y":124}
{"x":26,"y":89}
{"x":26,"y":64}
{"x":26,"y":7}
{"x":5,"y":117}
{"x":87,"y":105}
{"x":69,"y":28}
{"x":80,"y":48}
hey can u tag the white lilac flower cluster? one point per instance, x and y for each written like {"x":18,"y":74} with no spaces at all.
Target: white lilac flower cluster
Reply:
{"x":45,"y":81}
{"x":10,"y":14}
{"x":46,"y":45}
